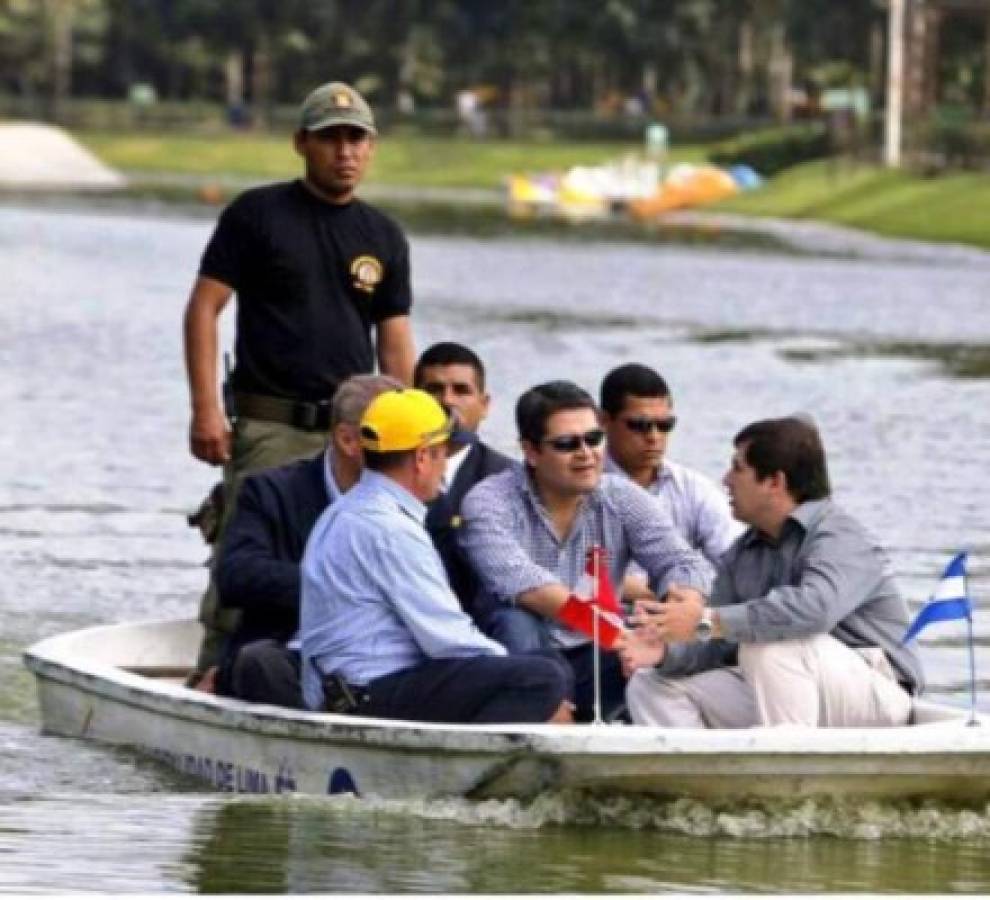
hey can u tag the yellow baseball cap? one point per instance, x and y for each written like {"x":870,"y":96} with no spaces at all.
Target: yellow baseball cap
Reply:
{"x":404,"y":420}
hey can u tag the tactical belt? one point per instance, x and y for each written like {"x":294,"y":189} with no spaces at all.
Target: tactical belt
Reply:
{"x":295,"y":413}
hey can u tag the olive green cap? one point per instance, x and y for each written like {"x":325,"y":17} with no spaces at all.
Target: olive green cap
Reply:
{"x":336,"y":103}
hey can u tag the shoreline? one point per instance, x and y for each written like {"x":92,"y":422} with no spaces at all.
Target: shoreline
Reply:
{"x":834,"y":208}
{"x":481,"y":213}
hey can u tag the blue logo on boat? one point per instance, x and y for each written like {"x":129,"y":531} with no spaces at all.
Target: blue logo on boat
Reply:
{"x":342,"y":783}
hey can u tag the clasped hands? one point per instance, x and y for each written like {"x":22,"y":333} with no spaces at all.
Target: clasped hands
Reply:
{"x":656,"y":623}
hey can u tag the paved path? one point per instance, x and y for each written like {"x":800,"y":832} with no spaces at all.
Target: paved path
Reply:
{"x":822,"y":237}
{"x":45,"y":157}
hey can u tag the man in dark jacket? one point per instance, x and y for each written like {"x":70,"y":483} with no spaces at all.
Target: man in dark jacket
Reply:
{"x":455,"y":376}
{"x":259,"y":563}
{"x":258,"y":571}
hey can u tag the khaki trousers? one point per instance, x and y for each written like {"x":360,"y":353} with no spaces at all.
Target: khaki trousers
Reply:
{"x":816,"y":681}
{"x":257,"y":445}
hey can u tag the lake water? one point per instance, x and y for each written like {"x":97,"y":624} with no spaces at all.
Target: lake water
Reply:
{"x":95,"y":482}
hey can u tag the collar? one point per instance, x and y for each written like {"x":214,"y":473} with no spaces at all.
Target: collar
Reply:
{"x":334,"y":493}
{"x":804,"y":517}
{"x":664,"y":472}
{"x":454,"y":463}
{"x":412,"y":506}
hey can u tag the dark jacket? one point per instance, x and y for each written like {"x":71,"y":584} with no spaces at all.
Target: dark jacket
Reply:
{"x":258,"y":570}
{"x":443,"y":519}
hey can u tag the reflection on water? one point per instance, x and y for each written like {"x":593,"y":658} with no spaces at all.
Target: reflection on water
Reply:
{"x":96,"y":481}
{"x":317,"y":846}
{"x":159,"y":841}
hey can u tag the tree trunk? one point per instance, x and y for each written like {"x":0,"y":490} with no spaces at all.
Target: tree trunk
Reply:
{"x":742,"y":90}
{"x":986,"y":67}
{"x":59,"y":15}
{"x":920,"y":59}
{"x":261,"y":81}
{"x":877,"y":82}
{"x":233,"y":72}
{"x":780,"y":68}
{"x":650,"y":79}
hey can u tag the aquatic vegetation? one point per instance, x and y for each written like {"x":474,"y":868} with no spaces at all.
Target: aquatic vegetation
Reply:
{"x":759,"y":819}
{"x":956,"y":359}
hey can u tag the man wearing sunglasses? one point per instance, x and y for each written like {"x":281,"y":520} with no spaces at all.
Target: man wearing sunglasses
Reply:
{"x":527,"y":531}
{"x":638,"y":414}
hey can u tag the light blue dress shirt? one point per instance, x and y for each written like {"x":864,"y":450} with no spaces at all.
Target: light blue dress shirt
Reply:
{"x":697,"y":506}
{"x":375,"y":597}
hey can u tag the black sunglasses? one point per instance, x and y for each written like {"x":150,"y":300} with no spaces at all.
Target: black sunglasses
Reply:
{"x":569,"y":443}
{"x":643,"y":425}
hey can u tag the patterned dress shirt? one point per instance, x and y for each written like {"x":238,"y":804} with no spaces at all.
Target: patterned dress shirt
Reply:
{"x":511,"y":543}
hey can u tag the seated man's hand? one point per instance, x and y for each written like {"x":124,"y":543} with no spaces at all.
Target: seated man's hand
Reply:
{"x":634,"y":587}
{"x":639,"y":652}
{"x":643,"y":619}
{"x":674,"y":620}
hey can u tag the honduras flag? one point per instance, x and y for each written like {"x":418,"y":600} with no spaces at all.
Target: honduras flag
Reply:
{"x":948,"y":602}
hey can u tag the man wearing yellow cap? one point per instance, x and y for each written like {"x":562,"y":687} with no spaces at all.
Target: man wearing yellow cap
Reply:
{"x":323,"y":292}
{"x":382,"y":632}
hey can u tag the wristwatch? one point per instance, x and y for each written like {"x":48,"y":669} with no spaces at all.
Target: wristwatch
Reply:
{"x":703,"y":630}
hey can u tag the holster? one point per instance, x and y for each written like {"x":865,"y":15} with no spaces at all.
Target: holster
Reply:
{"x":209,"y":514}
{"x":340,"y":697}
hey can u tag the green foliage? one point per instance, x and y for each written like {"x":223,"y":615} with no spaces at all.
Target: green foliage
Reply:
{"x":677,"y":58}
{"x":773,"y":150}
{"x":22,"y":43}
{"x":953,"y":144}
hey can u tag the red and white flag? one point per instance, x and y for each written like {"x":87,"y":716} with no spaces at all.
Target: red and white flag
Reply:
{"x":594,"y":589}
{"x":596,"y":583}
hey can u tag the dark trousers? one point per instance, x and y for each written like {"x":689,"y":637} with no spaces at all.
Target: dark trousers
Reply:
{"x":479,"y":689}
{"x":520,"y":631}
{"x":613,"y":683}
{"x":266,"y":671}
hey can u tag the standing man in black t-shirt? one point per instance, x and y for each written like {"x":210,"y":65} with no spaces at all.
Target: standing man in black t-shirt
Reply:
{"x":323,"y":289}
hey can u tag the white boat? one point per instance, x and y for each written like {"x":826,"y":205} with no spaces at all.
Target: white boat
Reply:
{"x":122,"y":684}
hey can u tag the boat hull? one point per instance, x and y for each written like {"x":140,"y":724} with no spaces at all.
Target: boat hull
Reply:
{"x":91,"y":685}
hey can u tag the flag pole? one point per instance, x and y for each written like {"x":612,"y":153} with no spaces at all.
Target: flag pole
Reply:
{"x":972,"y":658}
{"x":596,"y":647}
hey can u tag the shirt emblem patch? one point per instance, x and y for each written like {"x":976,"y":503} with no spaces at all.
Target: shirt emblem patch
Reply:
{"x":367,"y":273}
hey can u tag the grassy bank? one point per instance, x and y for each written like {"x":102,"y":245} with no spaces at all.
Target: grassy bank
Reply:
{"x":951,"y":207}
{"x":399,"y":160}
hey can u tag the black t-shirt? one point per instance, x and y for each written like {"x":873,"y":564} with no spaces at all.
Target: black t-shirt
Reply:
{"x":311,"y":279}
